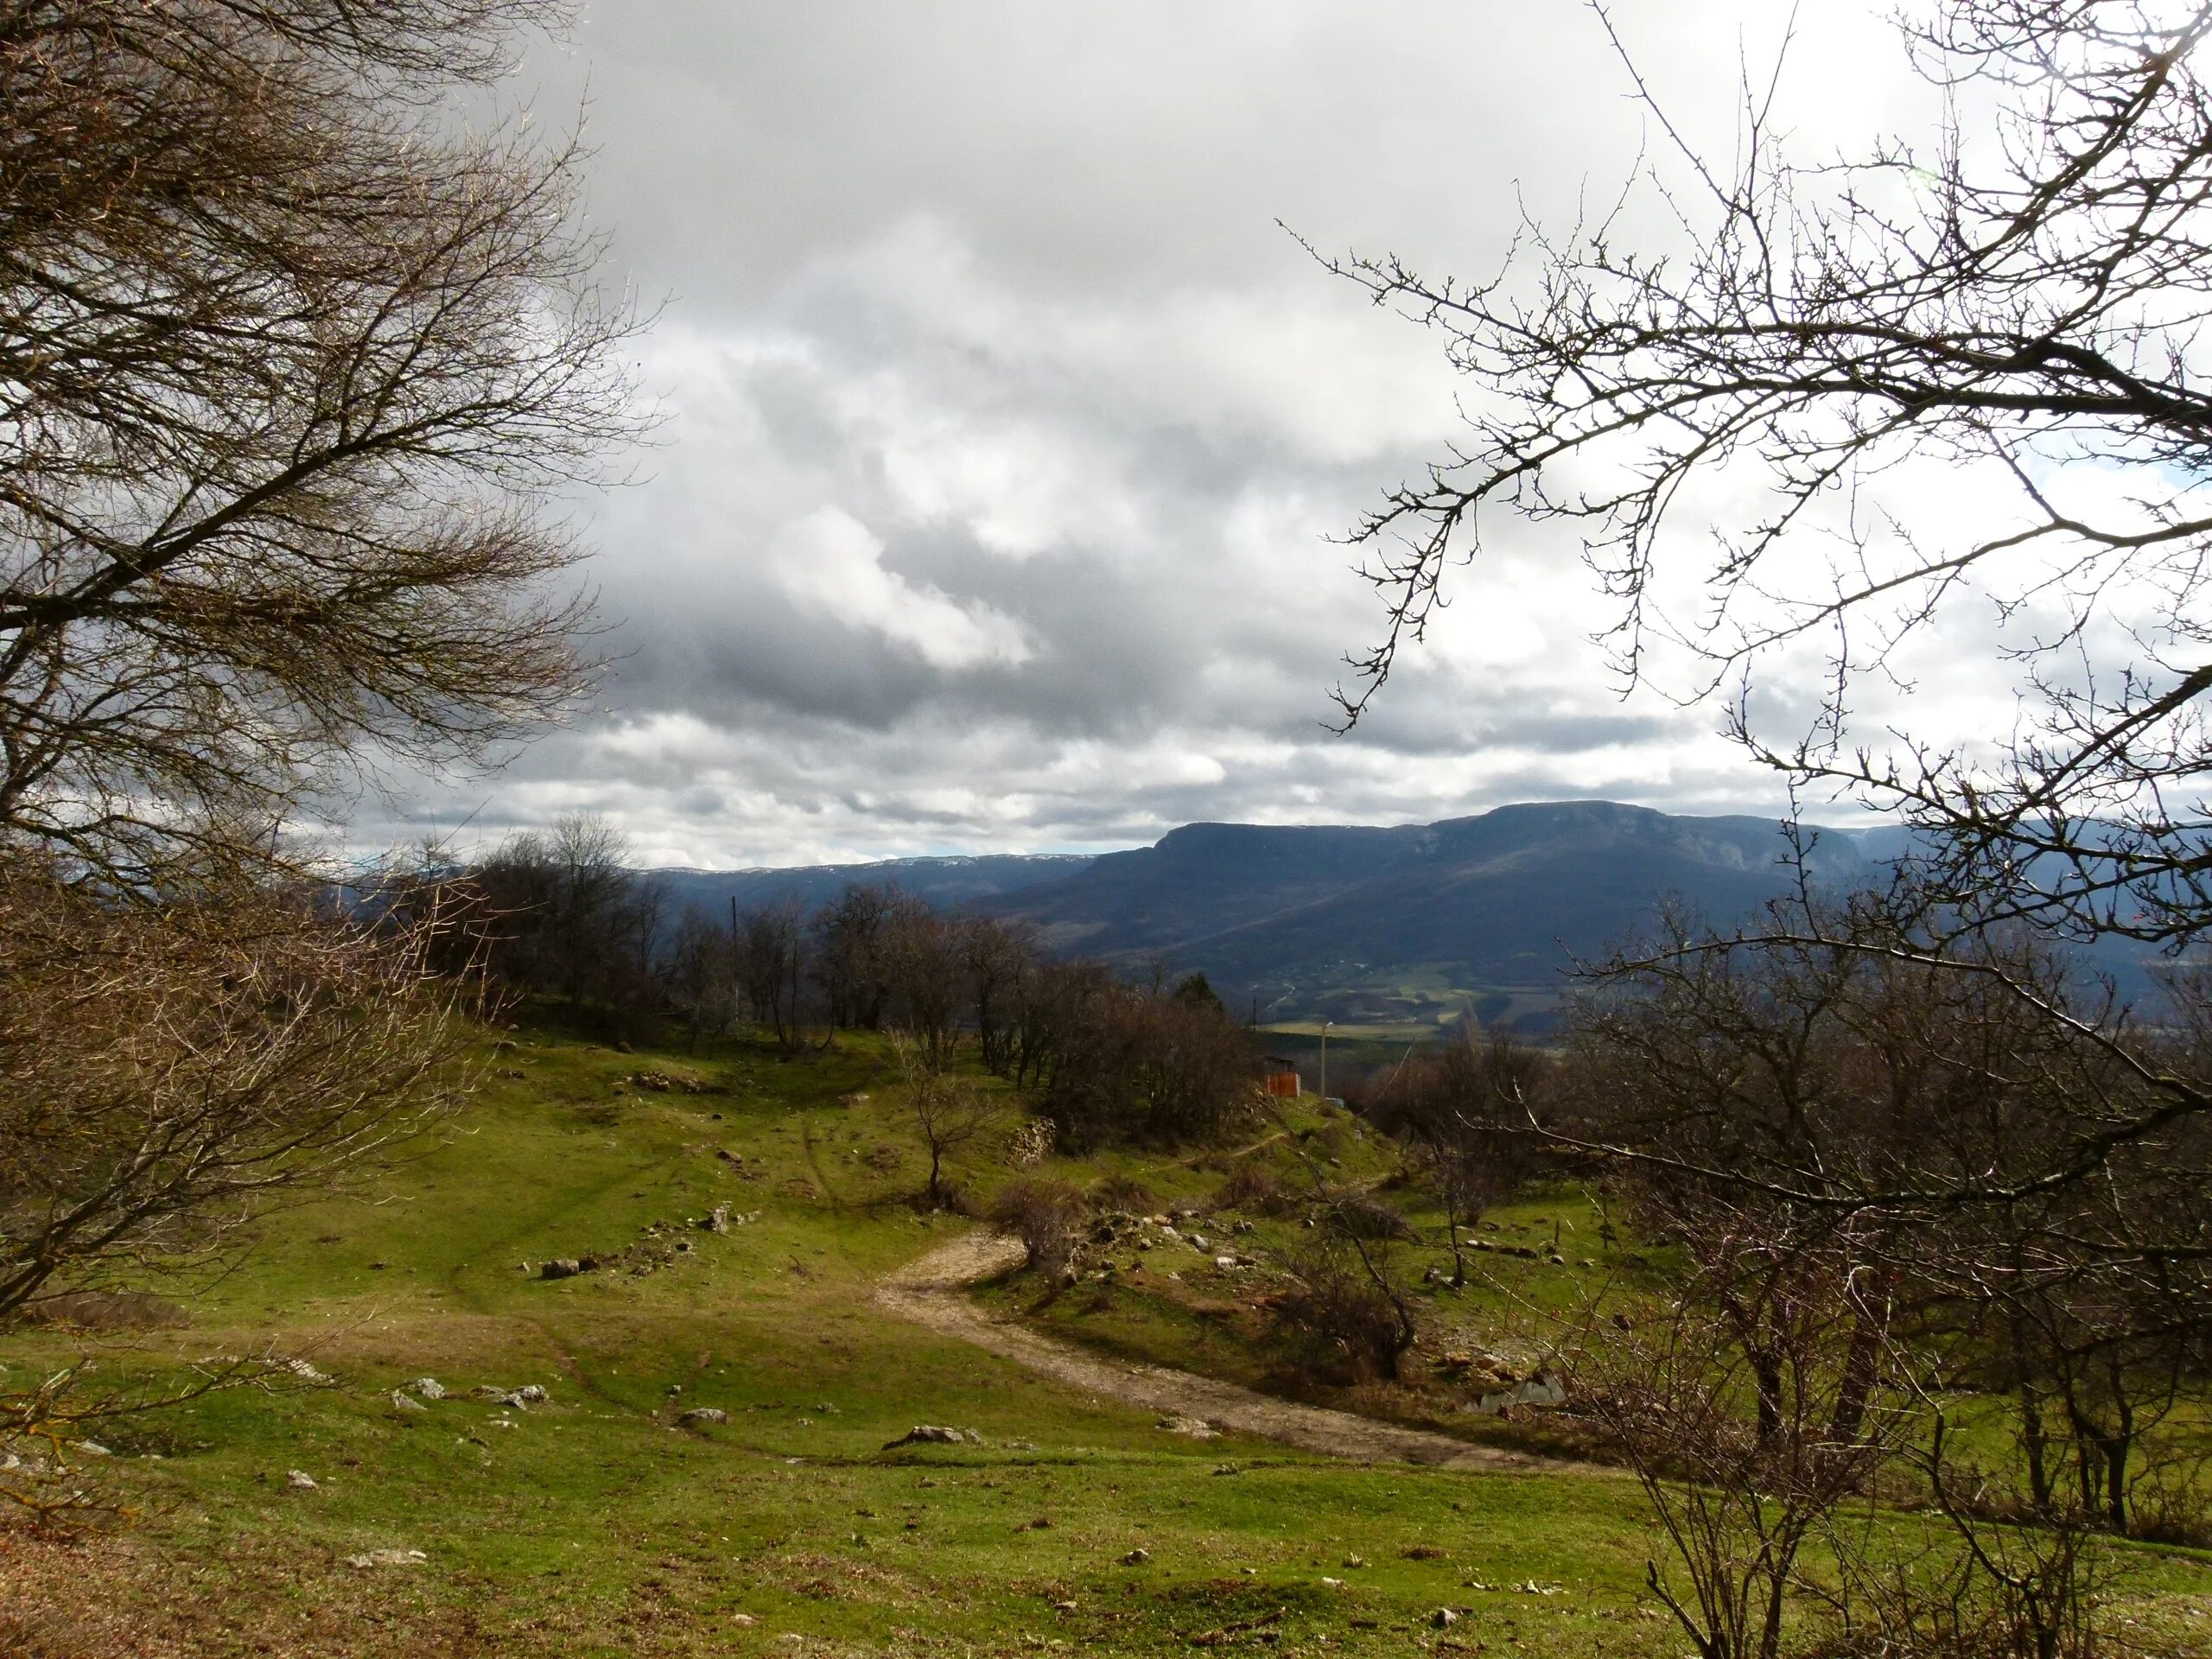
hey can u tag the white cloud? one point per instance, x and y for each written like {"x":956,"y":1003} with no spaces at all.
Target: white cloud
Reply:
{"x":831,"y":564}
{"x":1008,"y":428}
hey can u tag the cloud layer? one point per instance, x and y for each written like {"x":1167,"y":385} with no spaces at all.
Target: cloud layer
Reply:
{"x":1007,"y":429}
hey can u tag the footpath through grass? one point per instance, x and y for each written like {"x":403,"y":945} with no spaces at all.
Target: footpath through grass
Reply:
{"x":595,"y":1524}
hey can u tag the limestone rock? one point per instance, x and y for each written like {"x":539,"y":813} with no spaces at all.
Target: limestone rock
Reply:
{"x":387,"y":1558}
{"x":935,"y":1433}
{"x":1197,"y":1428}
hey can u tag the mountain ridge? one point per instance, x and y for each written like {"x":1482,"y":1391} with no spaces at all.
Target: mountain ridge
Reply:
{"x":1374,"y":923}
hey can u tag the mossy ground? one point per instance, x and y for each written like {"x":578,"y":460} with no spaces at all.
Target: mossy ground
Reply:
{"x":594,"y":1525}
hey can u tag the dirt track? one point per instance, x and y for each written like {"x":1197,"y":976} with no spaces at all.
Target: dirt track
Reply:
{"x":929,"y":1291}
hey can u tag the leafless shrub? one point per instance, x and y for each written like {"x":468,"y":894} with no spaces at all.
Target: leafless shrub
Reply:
{"x":1355,"y":1215}
{"x":1346,"y":1307}
{"x":1255,"y":1187}
{"x":1046,"y":1216}
{"x":1123,"y":1191}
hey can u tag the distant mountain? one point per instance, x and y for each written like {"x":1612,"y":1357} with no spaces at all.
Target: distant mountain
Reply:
{"x":947,"y":881}
{"x":1415,"y":923}
{"x":1414,"y":926}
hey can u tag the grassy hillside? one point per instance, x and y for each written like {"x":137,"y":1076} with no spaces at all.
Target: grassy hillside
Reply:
{"x":595,"y":1524}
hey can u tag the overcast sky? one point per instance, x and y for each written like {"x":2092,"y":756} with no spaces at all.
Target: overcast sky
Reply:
{"x":1004,"y":429}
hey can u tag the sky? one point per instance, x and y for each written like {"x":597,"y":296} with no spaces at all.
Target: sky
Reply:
{"x":1005,"y":424}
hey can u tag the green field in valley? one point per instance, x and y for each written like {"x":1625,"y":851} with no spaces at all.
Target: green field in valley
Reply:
{"x":594,"y":1523}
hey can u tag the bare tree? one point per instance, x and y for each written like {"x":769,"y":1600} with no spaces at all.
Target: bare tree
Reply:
{"x":296,"y":366}
{"x":926,"y":962}
{"x":949,"y":1112}
{"x":1835,"y":1089}
{"x":997,"y":955}
{"x":849,"y":953}
{"x":1467,"y":1111}
{"x":1781,"y":1325}
{"x":166,"y":1075}
{"x":771,"y":942}
{"x":701,"y":974}
{"x":2022,"y":292}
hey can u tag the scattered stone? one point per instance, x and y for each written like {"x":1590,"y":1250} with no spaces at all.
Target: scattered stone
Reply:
{"x":700,"y":1416}
{"x":1199,"y":1242}
{"x":1137,"y":1558}
{"x":299,"y":1480}
{"x":94,"y":1449}
{"x":387,"y":1558}
{"x":405,"y":1402}
{"x":1197,"y":1428}
{"x":520,"y":1398}
{"x":717,"y":1219}
{"x":1355,"y":1560}
{"x":427,"y":1387}
{"x":306,"y":1372}
{"x":560,"y":1267}
{"x":1545,"y":1388}
{"x":1066,"y":1607}
{"x":1444,"y":1619}
{"x":741,"y":1620}
{"x":1225,"y":1262}
{"x":1019,"y":1445}
{"x":935,"y":1433}
{"x":1333,"y":1584}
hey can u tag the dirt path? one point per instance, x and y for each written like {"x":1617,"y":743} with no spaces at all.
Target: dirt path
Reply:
{"x":929,"y":1291}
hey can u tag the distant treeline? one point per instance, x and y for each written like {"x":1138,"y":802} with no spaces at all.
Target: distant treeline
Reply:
{"x":561,"y":917}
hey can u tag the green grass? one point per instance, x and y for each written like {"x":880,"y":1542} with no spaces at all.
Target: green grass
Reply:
{"x":594,"y":1526}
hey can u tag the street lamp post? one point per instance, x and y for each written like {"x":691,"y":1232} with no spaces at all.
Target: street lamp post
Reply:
{"x":1325,"y":1024}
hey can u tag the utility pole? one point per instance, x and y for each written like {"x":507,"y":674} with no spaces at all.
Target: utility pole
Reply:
{"x":1325,"y":1024}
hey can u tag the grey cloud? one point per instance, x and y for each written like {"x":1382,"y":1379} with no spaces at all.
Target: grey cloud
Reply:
{"x":1001,"y":285}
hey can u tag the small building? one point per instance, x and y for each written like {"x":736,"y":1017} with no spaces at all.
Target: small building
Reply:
{"x":1280,"y":1077}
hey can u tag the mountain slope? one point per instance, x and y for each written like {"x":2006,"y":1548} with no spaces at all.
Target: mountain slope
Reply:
{"x":1410,"y":924}
{"x":1416,"y":921}
{"x":949,"y":881}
